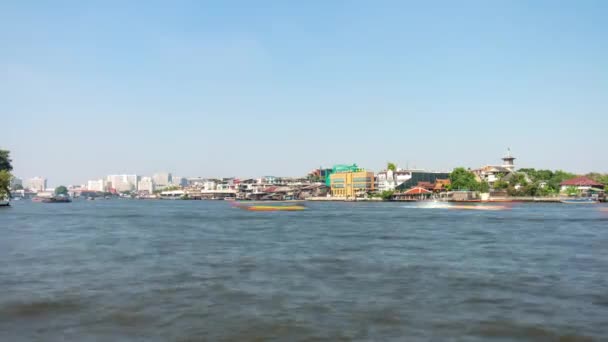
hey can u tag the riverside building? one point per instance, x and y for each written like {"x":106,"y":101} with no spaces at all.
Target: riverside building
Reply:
{"x":351,"y":183}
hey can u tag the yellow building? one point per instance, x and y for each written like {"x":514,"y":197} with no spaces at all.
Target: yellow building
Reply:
{"x":351,"y":184}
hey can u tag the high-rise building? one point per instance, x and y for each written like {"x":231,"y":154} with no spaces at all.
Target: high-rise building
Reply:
{"x":146,"y":184}
{"x":96,"y":185}
{"x":162,"y":179}
{"x":122,"y":183}
{"x":179,"y":181}
{"x":36,"y":184}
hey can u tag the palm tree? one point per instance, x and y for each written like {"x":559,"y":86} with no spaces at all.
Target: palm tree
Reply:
{"x":391,"y":166}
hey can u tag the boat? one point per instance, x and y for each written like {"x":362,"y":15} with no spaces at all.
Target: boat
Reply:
{"x":580,"y":200}
{"x":479,"y":207}
{"x":274,"y":208}
{"x":4,"y":202}
{"x":266,"y":206}
{"x":52,"y":199}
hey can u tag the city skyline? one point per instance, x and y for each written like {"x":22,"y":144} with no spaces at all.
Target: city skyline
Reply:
{"x":242,"y":89}
{"x":167,"y":178}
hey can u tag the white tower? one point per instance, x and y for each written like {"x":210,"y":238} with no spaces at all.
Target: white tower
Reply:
{"x":508,"y":161}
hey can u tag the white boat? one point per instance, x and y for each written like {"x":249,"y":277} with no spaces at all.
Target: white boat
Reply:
{"x":4,"y":202}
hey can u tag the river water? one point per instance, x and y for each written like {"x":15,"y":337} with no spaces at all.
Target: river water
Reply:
{"x":128,"y":270}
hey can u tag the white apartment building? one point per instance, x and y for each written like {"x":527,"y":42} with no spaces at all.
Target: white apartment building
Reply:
{"x":179,"y":181}
{"x":35,"y":184}
{"x":96,"y":185}
{"x":162,"y":179}
{"x":388,"y":180}
{"x":209,"y":185}
{"x":146,"y":184}
{"x":122,"y":182}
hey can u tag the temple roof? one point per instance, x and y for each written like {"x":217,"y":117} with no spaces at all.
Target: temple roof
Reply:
{"x":581,"y":181}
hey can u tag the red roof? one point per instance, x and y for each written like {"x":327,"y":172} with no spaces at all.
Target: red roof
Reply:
{"x":426,"y":185}
{"x":581,"y":181}
{"x":417,"y":191}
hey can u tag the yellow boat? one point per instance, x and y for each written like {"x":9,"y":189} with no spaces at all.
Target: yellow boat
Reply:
{"x":274,"y":207}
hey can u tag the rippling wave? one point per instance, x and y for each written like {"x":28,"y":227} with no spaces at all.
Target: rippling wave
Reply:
{"x":202,"y":271}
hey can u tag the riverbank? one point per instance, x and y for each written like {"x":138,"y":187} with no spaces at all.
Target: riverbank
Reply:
{"x":345,"y":199}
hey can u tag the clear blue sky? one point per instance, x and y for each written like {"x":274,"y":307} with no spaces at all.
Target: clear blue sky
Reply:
{"x":249,"y":88}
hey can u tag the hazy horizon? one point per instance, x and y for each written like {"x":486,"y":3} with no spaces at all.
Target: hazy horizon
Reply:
{"x":249,"y":89}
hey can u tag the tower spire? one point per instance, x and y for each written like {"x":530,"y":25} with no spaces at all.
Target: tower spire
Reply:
{"x":508,"y":160}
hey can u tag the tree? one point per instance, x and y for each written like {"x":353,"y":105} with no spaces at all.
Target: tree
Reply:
{"x":558,"y":177}
{"x":484,"y":187}
{"x":387,"y":195}
{"x":543,"y":175}
{"x":598,"y":177}
{"x":5,"y":181}
{"x":518,"y":179}
{"x":500,"y":185}
{"x":532,"y":173}
{"x":5,"y":161}
{"x":17,"y":187}
{"x":61,"y":190}
{"x":5,"y":173}
{"x":462,"y":179}
{"x":531,"y":189}
{"x":391,"y":166}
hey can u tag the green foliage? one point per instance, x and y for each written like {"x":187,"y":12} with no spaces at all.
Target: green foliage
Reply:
{"x":537,"y":175}
{"x":500,"y":185}
{"x":5,"y":173}
{"x":391,"y":166}
{"x":61,"y":190}
{"x":169,"y":188}
{"x":5,"y":181}
{"x":598,"y":177}
{"x":558,"y":177}
{"x":551,"y":178}
{"x":387,"y":195}
{"x":462,"y":179}
{"x":484,"y":187}
{"x":5,"y":161}
{"x":532,"y":189}
{"x":543,"y":175}
{"x":571,"y":191}
{"x":518,"y":178}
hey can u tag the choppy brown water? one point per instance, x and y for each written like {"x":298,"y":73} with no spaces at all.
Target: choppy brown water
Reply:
{"x":202,"y":271}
